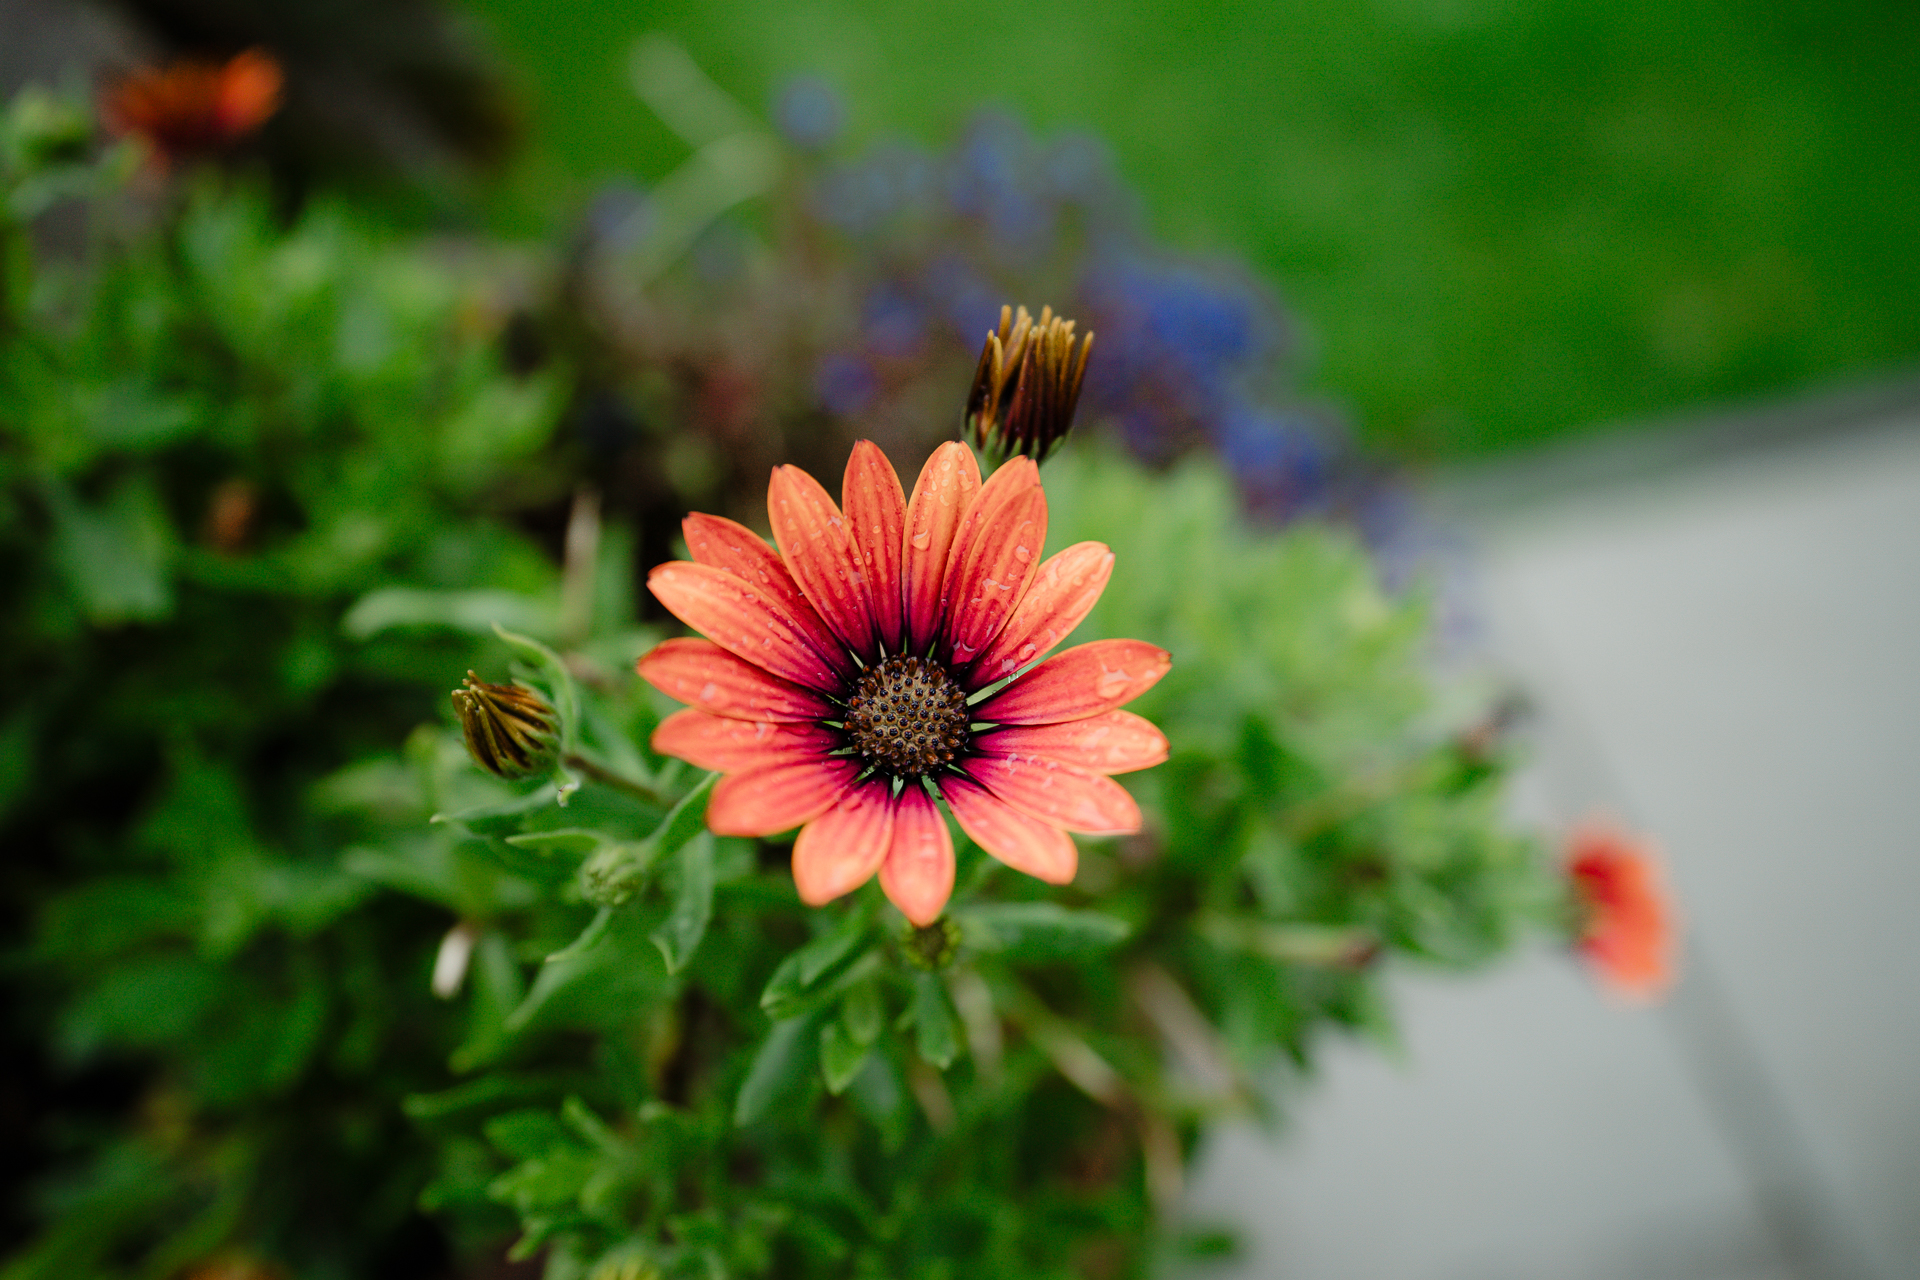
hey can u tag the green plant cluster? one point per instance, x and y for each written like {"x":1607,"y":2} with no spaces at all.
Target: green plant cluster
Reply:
{"x":676,"y":1069}
{"x":306,"y":973}
{"x":217,"y":434}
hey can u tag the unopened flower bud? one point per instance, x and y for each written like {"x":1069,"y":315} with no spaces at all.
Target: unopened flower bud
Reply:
{"x":512,"y":732}
{"x":1027,"y":385}
{"x":931,"y":947}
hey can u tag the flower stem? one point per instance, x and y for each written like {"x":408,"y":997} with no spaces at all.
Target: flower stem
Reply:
{"x":619,"y":782}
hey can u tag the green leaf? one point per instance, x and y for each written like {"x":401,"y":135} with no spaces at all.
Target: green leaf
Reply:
{"x":570,"y":840}
{"x":115,"y":556}
{"x":784,"y":1059}
{"x":1038,"y":930}
{"x":588,"y":936}
{"x":935,"y":1029}
{"x":499,"y":819}
{"x":475,"y":612}
{"x":860,"y":1012}
{"x":680,"y":933}
{"x":806,"y":973}
{"x":615,"y":969}
{"x":687,"y":816}
{"x":840,"y":1057}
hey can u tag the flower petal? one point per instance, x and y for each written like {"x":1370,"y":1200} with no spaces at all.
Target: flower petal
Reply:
{"x":761,"y":802}
{"x":840,"y":850}
{"x":995,"y":556}
{"x":727,"y":544}
{"x":941,"y":497}
{"x":1084,"y":681}
{"x":877,"y":519}
{"x":703,"y":674}
{"x":734,"y":746}
{"x":813,"y":540}
{"x":1116,"y":742}
{"x":1059,"y":793}
{"x":1059,"y":599}
{"x":1038,"y":848}
{"x":917,"y":876}
{"x":734,"y":615}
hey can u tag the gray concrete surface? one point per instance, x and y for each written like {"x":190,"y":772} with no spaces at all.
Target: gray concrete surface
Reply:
{"x":1720,"y":627}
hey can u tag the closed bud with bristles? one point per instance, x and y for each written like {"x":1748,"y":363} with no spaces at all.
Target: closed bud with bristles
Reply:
{"x":1027,"y":385}
{"x":512,"y":732}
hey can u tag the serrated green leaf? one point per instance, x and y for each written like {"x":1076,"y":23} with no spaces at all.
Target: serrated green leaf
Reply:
{"x":936,"y":1032}
{"x":1038,"y":930}
{"x":840,"y":1057}
{"x":782,"y":1063}
{"x":679,"y":935}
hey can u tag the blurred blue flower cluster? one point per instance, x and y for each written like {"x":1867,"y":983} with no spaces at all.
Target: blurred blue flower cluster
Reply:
{"x":788,"y":291}
{"x":1190,"y":353}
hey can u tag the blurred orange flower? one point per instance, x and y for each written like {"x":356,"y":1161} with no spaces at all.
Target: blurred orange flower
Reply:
{"x":192,"y":107}
{"x":1628,"y":929}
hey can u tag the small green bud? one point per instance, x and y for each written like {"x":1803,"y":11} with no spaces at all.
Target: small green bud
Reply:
{"x":615,"y":872}
{"x":931,"y":947}
{"x":512,"y":732}
{"x":1027,"y":385}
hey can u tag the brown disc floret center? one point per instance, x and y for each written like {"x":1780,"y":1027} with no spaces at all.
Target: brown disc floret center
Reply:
{"x":907,"y":716}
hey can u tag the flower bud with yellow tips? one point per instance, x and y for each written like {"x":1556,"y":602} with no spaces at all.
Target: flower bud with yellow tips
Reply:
{"x":1027,"y":385}
{"x":512,"y":732}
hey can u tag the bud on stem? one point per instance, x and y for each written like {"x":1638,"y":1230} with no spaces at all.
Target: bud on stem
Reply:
{"x":511,"y":731}
{"x":1027,"y":385}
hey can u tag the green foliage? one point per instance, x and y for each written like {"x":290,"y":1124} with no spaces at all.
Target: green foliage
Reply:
{"x":699,"y":1076}
{"x":218,"y":433}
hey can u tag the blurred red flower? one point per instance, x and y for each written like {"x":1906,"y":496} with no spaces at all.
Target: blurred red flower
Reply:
{"x":1628,"y":927}
{"x":191,"y":107}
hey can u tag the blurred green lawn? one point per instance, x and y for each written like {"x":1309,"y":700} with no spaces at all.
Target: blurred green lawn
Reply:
{"x":1499,"y":221}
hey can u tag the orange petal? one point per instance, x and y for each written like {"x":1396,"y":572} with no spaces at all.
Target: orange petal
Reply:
{"x":996,"y":552}
{"x":734,"y":746}
{"x":700,"y":672}
{"x":1038,"y":848}
{"x":1116,"y":742}
{"x":840,"y":850}
{"x":1084,"y":681}
{"x":990,"y":580}
{"x":1062,"y":794}
{"x":761,"y":802}
{"x":726,"y":544}
{"x":813,"y":540}
{"x":877,"y":519}
{"x":917,"y":876}
{"x":732,"y":614}
{"x":1059,"y":599}
{"x":941,"y":497}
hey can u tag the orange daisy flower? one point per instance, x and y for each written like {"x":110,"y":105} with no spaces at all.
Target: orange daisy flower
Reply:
{"x":191,"y":107}
{"x":884,"y":657}
{"x":1628,"y":931}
